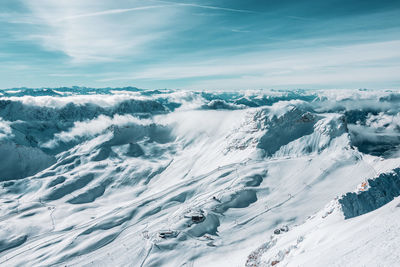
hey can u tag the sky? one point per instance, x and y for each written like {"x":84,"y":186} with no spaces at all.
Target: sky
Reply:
{"x":200,"y":44}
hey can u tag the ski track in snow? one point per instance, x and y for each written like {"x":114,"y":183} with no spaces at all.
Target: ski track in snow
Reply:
{"x":131,"y":177}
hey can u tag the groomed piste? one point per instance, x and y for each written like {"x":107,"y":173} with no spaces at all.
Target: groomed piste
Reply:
{"x":133,"y":177}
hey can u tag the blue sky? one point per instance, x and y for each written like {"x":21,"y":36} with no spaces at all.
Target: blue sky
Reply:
{"x":220,"y":44}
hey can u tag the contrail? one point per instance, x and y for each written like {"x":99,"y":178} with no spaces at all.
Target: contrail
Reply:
{"x":207,"y":7}
{"x":125,"y":10}
{"x":111,"y":11}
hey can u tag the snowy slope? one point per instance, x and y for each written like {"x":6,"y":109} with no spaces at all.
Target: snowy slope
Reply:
{"x":130,"y":177}
{"x":327,"y":239}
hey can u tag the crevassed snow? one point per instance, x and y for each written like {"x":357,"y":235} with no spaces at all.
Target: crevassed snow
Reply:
{"x":124,"y":176}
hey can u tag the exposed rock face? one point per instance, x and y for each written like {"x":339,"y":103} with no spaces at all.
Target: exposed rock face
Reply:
{"x":383,"y":189}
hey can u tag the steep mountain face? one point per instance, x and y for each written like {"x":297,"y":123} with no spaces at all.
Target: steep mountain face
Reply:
{"x":126,"y":176}
{"x":381,"y":190}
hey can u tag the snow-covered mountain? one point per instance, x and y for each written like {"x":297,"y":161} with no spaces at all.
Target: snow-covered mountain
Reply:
{"x":131,"y":177}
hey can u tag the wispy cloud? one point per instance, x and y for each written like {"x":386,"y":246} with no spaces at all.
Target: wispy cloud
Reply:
{"x":16,"y":18}
{"x":70,"y":75}
{"x":238,"y":30}
{"x":351,"y":64}
{"x":299,"y":18}
{"x":86,"y":34}
{"x":96,"y":31}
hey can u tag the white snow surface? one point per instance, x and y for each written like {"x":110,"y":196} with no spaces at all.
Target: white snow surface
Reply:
{"x":326,"y":239}
{"x":131,"y":177}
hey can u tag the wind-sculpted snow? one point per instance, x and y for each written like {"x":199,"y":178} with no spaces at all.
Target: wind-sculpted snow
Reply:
{"x":125,"y":176}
